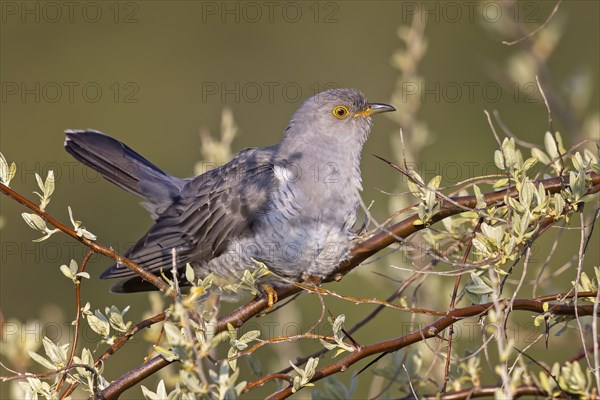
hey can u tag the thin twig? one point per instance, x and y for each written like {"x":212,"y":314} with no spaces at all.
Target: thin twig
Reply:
{"x":118,"y":344}
{"x":95,"y":247}
{"x":486,"y":391}
{"x":536,"y":30}
{"x":453,"y":303}
{"x":430,"y":331}
{"x":77,"y":317}
{"x":25,"y":375}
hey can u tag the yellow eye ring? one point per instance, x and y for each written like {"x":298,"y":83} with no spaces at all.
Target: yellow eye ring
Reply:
{"x":340,"y":112}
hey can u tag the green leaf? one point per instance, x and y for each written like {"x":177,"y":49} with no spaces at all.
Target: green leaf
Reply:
{"x":233,"y":351}
{"x":66,"y":271}
{"x":81,"y":231}
{"x":495,"y":233}
{"x":530,"y":162}
{"x":38,"y":223}
{"x":82,"y":274}
{"x":189,"y":273}
{"x":47,"y":188}
{"x":578,"y":162}
{"x":559,"y":204}
{"x":167,"y":354}
{"x":338,"y":324}
{"x":500,"y":183}
{"x":41,"y":360}
{"x":250,"y":336}
{"x":478,"y":286}
{"x":173,"y":334}
{"x":541,"y":156}
{"x":231,"y":331}
{"x":499,"y":160}
{"x":561,"y":148}
{"x":434,"y":183}
{"x":509,"y":152}
{"x":56,"y":353}
{"x":115,"y":318}
{"x":161,"y":392}
{"x":479,"y":289}
{"x":7,"y":173}
{"x":526,"y":194}
{"x":304,"y":375}
{"x":73,"y":266}
{"x":550,"y":145}
{"x":514,"y":204}
{"x":99,"y":323}
{"x":35,"y":221}
{"x":327,"y":345}
{"x":482,"y":244}
{"x":481,"y":204}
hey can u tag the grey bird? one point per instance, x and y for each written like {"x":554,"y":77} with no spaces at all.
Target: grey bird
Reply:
{"x":291,"y":206}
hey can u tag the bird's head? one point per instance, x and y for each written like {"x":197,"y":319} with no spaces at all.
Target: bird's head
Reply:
{"x":337,"y":114}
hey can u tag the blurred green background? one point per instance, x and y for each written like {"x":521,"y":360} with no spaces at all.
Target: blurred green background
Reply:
{"x":153,"y":73}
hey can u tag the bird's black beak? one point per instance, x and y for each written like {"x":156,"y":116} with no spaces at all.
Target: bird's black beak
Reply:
{"x":377,"y":108}
{"x":374,"y":108}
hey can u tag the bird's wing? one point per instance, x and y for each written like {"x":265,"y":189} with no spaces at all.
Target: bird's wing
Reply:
{"x":213,"y":209}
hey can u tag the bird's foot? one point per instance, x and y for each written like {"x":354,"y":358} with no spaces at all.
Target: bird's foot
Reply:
{"x":271,"y":295}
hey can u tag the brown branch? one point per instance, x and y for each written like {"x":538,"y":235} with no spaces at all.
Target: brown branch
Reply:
{"x":401,"y":230}
{"x":77,"y":317}
{"x":360,"y":300}
{"x":118,"y":344}
{"x":131,"y":378}
{"x":95,"y":247}
{"x":433,"y":330}
{"x":265,"y":379}
{"x":490,"y":391}
{"x":397,"y":293}
{"x":583,"y":353}
{"x":407,"y":227}
{"x":562,"y":296}
{"x":453,"y":304}
{"x":50,"y":374}
{"x":359,"y":253}
{"x":135,"y":376}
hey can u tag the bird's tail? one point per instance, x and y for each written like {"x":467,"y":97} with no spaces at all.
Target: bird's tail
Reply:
{"x":125,"y":168}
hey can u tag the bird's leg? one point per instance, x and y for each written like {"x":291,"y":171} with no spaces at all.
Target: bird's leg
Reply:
{"x":271,"y":295}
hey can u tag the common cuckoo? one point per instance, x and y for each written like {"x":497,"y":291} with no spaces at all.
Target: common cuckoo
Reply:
{"x":291,"y":206}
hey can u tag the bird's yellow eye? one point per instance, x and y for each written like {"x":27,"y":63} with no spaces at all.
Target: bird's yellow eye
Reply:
{"x":340,"y":112}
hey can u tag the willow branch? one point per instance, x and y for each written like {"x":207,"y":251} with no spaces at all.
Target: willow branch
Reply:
{"x":433,"y":330}
{"x":95,"y":247}
{"x":77,"y":317}
{"x":359,"y":253}
{"x":118,"y":344}
{"x":490,"y":391}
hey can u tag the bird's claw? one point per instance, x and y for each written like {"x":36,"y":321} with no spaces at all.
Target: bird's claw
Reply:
{"x":272,"y":297}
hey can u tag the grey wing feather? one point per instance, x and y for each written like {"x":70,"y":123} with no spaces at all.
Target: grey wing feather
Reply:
{"x":213,"y":209}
